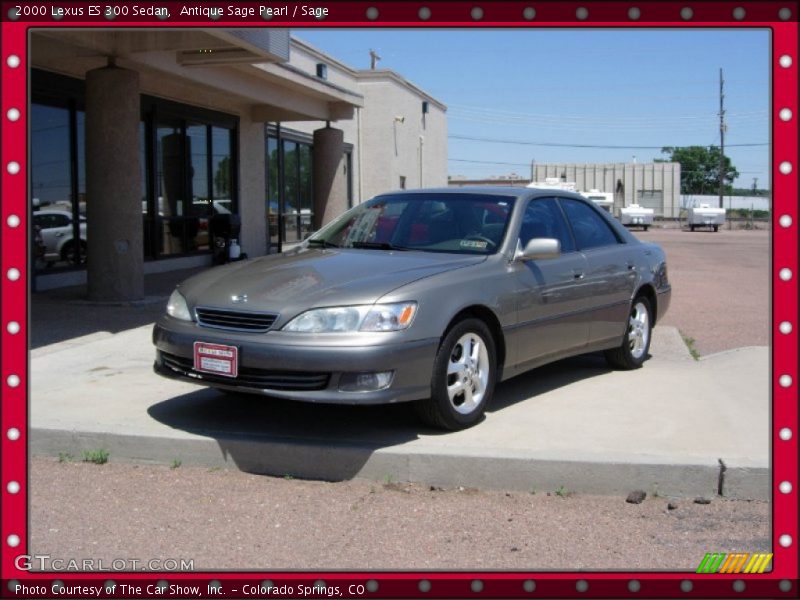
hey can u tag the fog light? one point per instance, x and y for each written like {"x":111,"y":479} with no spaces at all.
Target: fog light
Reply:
{"x":365,"y":382}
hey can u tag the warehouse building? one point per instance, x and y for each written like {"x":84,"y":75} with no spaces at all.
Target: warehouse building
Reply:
{"x":139,"y":137}
{"x":652,"y":185}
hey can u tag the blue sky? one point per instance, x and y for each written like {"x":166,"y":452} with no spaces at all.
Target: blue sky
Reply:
{"x":603,"y":87}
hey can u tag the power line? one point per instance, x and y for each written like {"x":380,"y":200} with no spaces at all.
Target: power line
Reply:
{"x":514,"y":164}
{"x":600,"y":146}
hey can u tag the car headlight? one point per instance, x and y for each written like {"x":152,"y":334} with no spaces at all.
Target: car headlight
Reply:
{"x":344,"y":319}
{"x":177,"y":307}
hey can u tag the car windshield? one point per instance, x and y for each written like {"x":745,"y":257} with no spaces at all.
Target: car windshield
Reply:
{"x":430,"y":222}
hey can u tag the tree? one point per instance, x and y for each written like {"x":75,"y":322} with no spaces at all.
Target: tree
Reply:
{"x":700,"y":169}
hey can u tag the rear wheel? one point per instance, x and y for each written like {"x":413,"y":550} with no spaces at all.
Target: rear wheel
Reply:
{"x":463,"y":379}
{"x":716,"y":228}
{"x":68,"y":253}
{"x":633,"y":350}
{"x":691,"y":227}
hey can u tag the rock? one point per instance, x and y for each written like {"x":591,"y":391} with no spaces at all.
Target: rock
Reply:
{"x":636,"y":497}
{"x":672,"y":506}
{"x":515,"y":549}
{"x":702,"y":500}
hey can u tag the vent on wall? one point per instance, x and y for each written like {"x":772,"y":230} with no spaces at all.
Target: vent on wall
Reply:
{"x":425,"y":107}
{"x":322,"y":70}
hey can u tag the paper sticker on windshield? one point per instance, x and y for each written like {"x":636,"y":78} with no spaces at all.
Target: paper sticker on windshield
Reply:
{"x":477,"y":244}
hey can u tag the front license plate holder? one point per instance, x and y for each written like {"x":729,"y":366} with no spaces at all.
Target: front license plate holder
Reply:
{"x":216,"y":359}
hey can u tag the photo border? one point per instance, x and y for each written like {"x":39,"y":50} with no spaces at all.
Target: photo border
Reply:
{"x":780,"y":581}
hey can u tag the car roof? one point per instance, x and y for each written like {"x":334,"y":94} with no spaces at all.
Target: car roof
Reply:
{"x":490,"y":190}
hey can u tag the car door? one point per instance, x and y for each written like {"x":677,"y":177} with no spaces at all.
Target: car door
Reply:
{"x":610,"y":274}
{"x":53,"y":227}
{"x":551,"y":293}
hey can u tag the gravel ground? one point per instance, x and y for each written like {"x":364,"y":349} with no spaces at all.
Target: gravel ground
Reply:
{"x":231,"y":520}
{"x":720,"y":286}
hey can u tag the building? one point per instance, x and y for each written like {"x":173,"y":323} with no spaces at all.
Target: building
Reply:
{"x":139,"y":137}
{"x":653,"y":185}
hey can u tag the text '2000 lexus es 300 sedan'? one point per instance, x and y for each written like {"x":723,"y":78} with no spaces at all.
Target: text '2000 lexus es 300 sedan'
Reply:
{"x":431,"y":296}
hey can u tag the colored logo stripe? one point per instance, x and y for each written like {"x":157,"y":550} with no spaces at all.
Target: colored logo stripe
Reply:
{"x":741,"y":562}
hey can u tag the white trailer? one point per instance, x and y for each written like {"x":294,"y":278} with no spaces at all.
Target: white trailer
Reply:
{"x":706,"y":216}
{"x":604,"y":200}
{"x":553,"y":183}
{"x":634,"y":215}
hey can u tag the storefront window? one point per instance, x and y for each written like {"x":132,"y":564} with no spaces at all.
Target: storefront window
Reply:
{"x":306,"y":199}
{"x":221,"y":169}
{"x":171,"y":186}
{"x":272,"y":192}
{"x":188,"y":173}
{"x":195,"y":180}
{"x":57,"y":185}
{"x":291,"y":208}
{"x":290,"y":186}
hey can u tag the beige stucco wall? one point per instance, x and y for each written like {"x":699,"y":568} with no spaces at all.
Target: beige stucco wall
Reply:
{"x":392,"y":147}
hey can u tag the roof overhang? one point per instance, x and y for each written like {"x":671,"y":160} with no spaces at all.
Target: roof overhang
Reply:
{"x":247,"y":66}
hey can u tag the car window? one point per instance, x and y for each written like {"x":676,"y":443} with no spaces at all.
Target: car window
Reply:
{"x":590,"y":229}
{"x":50,"y":221}
{"x":543,"y":219}
{"x":448,"y":222}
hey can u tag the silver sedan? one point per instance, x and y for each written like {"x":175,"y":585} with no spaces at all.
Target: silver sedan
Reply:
{"x":431,"y":296}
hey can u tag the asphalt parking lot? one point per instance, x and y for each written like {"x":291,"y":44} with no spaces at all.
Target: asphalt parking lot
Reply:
{"x":571,"y":430}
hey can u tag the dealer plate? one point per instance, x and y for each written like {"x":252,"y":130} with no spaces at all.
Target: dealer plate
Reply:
{"x":216,"y":358}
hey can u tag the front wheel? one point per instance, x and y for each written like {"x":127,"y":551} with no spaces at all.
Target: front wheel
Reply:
{"x":463,"y":378}
{"x":636,"y":343}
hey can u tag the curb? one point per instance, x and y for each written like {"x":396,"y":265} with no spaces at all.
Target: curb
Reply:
{"x":307,"y":459}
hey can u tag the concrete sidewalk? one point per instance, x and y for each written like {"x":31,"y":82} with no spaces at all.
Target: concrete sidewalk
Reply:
{"x":666,"y":428}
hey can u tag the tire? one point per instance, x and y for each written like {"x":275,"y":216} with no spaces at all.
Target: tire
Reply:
{"x":632,"y":353}
{"x":68,"y":253}
{"x":646,"y":226}
{"x":716,"y":228}
{"x":452,"y":405}
{"x":691,"y":227}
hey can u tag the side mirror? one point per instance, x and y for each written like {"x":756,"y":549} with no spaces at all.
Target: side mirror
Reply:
{"x":539,"y":248}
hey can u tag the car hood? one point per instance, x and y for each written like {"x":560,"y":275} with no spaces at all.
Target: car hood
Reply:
{"x":308,"y":278}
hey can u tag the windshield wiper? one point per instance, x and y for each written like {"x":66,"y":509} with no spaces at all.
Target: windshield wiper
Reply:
{"x":377,"y":246}
{"x":323,"y":243}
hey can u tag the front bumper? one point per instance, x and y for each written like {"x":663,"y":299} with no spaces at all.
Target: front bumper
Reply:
{"x":266,"y":365}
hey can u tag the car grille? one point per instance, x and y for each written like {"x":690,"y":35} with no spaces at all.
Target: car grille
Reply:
{"x":255,"y":378}
{"x":234,"y":319}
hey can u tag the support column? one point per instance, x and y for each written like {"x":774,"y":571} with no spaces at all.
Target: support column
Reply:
{"x":115,"y":255}
{"x":330,"y":183}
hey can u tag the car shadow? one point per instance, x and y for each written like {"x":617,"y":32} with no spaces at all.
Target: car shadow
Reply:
{"x":548,"y":378}
{"x":273,"y":436}
{"x":63,"y":314}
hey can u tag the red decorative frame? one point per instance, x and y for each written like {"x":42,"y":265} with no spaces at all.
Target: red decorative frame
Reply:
{"x":782,"y":582}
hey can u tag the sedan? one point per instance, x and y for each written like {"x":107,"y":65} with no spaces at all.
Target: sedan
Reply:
{"x":57,"y":234}
{"x":426,"y":296}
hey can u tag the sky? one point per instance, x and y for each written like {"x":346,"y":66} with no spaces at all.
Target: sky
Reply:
{"x":582,"y":87}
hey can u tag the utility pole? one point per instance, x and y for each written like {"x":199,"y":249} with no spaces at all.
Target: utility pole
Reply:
{"x":755,"y":185}
{"x":721,"y":137}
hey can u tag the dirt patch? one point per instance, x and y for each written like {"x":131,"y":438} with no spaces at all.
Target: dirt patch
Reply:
{"x":225,"y":519}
